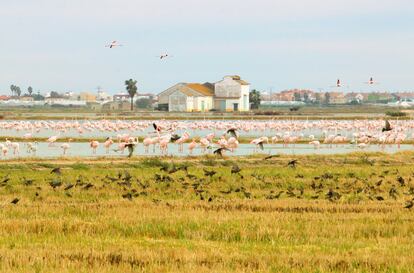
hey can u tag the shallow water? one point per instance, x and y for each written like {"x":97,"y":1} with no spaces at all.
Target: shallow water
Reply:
{"x":83,"y":150}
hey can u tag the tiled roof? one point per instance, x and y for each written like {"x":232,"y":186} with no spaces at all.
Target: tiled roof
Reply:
{"x":200,"y":88}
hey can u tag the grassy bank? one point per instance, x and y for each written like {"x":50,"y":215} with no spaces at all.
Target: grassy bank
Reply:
{"x":333,"y":112}
{"x":328,"y":214}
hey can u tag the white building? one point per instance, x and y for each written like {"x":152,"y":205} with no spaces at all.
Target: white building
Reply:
{"x":187,"y":97}
{"x":229,"y":94}
{"x":232,"y":94}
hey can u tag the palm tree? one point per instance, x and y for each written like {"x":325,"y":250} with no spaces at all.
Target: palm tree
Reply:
{"x":131,"y":87}
{"x":18,"y":91}
{"x":12,"y":88}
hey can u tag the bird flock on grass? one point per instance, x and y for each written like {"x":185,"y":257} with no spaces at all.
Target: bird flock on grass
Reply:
{"x":213,"y":184}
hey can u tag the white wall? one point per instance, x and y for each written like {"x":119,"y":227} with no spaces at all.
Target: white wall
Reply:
{"x":227,"y":88}
{"x":208,"y":103}
{"x":177,"y":102}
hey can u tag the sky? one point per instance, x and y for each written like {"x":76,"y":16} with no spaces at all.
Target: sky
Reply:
{"x":59,"y":45}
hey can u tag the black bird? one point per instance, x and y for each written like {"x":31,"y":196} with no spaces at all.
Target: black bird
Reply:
{"x":387,"y":126}
{"x":292,"y":163}
{"x":191,"y":176}
{"x":5,"y":179}
{"x":127,"y":196}
{"x":131,"y":148}
{"x":164,"y":168}
{"x":27,"y":182}
{"x":55,"y":183}
{"x":127,"y":176}
{"x":409,"y":204}
{"x":156,"y":127}
{"x":209,"y":173}
{"x":393,"y":193}
{"x":68,"y":187}
{"x":175,"y":137}
{"x":56,"y":171}
{"x":401,"y":181}
{"x":332,"y":195}
{"x":88,"y":186}
{"x":271,"y":156}
{"x":183,"y":168}
{"x":15,"y":201}
{"x":173,"y":170}
{"x":220,"y":151}
{"x":235,"y":169}
{"x":261,"y":145}
{"x":111,"y":178}
{"x":232,"y":132}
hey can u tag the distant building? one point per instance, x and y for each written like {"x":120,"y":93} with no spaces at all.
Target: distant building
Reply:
{"x":63,"y":102}
{"x":356,"y":97}
{"x":103,"y":96}
{"x":4,"y":98}
{"x":403,"y":96}
{"x":229,"y":94}
{"x":116,"y":106}
{"x":232,"y":94}
{"x":336,"y":98}
{"x":187,"y":97}
{"x":87,"y":96}
{"x":26,"y":98}
{"x":121,"y":97}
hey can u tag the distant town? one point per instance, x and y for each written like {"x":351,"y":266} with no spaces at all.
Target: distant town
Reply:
{"x":232,"y":93}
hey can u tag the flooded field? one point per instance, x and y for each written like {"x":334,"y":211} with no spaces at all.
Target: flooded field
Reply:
{"x":43,"y":150}
{"x":45,"y":138}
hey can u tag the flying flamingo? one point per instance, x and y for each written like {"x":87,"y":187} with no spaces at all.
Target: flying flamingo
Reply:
{"x":113,"y":44}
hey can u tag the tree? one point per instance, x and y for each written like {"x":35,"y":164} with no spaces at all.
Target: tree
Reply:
{"x":12,"y":89}
{"x":55,"y":94}
{"x":254,"y":97}
{"x":327,"y":97}
{"x":38,"y":97}
{"x":296,"y":96}
{"x":306,"y":97}
{"x":30,"y":90}
{"x":131,"y":87}
{"x":317,"y":98}
{"x":18,"y":91}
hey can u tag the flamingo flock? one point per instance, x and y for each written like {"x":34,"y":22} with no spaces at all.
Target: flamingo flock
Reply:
{"x":206,"y":135}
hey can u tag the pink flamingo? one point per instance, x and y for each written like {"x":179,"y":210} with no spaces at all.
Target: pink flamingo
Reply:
{"x":316,"y":144}
{"x":204,"y":143}
{"x":232,"y":143}
{"x":52,"y":140}
{"x":65,"y":146}
{"x":192,"y":145}
{"x":181,"y":140}
{"x":107,"y":144}
{"x":94,"y":145}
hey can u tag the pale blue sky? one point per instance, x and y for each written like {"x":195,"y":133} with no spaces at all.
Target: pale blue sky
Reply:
{"x":59,"y":45}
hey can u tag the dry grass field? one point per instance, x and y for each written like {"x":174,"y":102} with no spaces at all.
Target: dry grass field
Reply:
{"x":323,"y":214}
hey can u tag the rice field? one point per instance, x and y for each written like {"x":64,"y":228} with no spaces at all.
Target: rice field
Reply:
{"x":336,"y":213}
